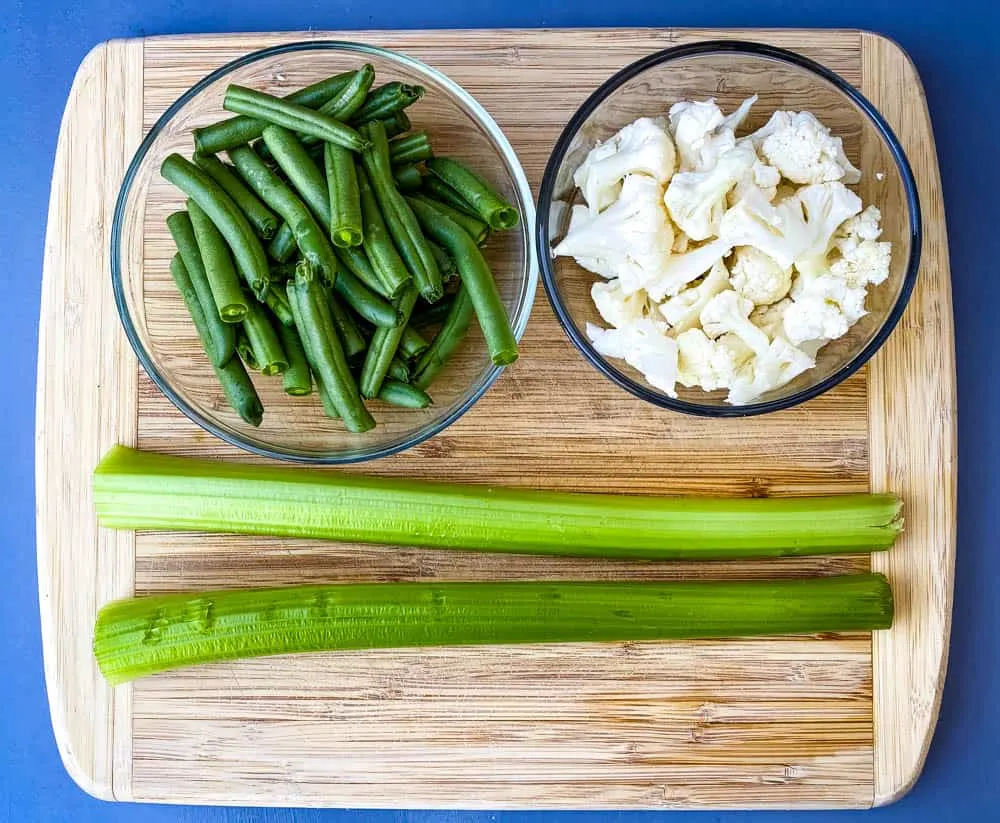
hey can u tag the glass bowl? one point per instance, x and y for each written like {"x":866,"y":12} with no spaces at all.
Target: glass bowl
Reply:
{"x":154,"y":315}
{"x":731,"y":71}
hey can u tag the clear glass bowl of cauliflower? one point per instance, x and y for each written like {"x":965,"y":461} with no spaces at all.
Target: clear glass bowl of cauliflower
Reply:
{"x":728,"y":229}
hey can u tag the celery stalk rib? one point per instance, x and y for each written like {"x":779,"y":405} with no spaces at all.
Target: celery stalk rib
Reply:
{"x":143,"y":490}
{"x":142,"y":636}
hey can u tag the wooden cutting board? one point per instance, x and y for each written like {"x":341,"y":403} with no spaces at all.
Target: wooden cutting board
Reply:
{"x":830,"y":721}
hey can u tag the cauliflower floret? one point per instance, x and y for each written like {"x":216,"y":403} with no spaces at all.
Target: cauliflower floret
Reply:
{"x":681,"y":269}
{"x":758,"y":277}
{"x":780,"y":364}
{"x":697,"y":200}
{"x":771,"y":319}
{"x":616,"y":307}
{"x":777,"y":229}
{"x":631,"y":239}
{"x":642,"y":147}
{"x":826,"y":206}
{"x":803,"y":150}
{"x":759,"y":176}
{"x":703,"y":133}
{"x":644,"y":345}
{"x":728,"y":312}
{"x":867,"y":263}
{"x":684,"y":309}
{"x":864,"y":226}
{"x":823,"y":307}
{"x":706,"y":363}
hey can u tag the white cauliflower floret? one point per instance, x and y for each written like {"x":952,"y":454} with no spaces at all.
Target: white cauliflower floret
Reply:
{"x":703,"y":133}
{"x":803,"y":150}
{"x":777,"y":229}
{"x":697,"y":199}
{"x":642,"y":147}
{"x":681,"y":269}
{"x":706,"y":363}
{"x":823,"y":307}
{"x":826,"y":207}
{"x":759,"y":176}
{"x":683,"y":310}
{"x":644,"y":345}
{"x":727,"y":312}
{"x":780,"y":364}
{"x":864,"y":226}
{"x":616,"y":307}
{"x":771,"y":319}
{"x":758,"y":277}
{"x":867,"y":263}
{"x":631,"y":239}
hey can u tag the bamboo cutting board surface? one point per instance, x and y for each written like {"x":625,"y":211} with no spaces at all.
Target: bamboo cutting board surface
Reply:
{"x":828,"y":721}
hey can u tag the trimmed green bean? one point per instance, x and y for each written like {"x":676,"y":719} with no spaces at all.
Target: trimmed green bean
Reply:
{"x":237,"y":131}
{"x":283,"y":246}
{"x":396,"y":124}
{"x":398,"y":370}
{"x":239,"y":391}
{"x":221,"y":334}
{"x":383,"y":346}
{"x":323,"y":348}
{"x":488,"y":203}
{"x":446,"y":341}
{"x":346,"y":227}
{"x":412,"y":344}
{"x":443,"y":193}
{"x":264,"y":341}
{"x":346,"y":103}
{"x":292,"y":116}
{"x":297,"y":378}
{"x":245,"y":350}
{"x":263,"y":220}
{"x":227,"y":295}
{"x":399,"y":218}
{"x":385,"y":260}
{"x":226,"y":215}
{"x":477,"y":229}
{"x":350,"y":335}
{"x":477,"y":279}
{"x":432,"y":315}
{"x":309,"y":237}
{"x":397,"y":393}
{"x":449,"y":271}
{"x":407,"y":178}
{"x":184,"y":285}
{"x":329,"y":407}
{"x":304,"y":175}
{"x":386,"y":100}
{"x":354,"y":259}
{"x":410,"y":148}
{"x":277,"y":302}
{"x":369,"y":305}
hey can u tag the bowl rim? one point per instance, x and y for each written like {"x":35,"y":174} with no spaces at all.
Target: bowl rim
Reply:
{"x":496,"y":134}
{"x":707,"y":47}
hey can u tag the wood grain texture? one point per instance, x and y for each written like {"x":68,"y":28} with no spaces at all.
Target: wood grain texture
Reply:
{"x":782,"y":722}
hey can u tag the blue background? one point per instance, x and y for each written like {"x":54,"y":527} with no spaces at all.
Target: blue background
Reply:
{"x":956,"y":52}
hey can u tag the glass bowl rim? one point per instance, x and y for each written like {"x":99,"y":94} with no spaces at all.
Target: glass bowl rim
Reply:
{"x":484,"y":119}
{"x":704,"y":48}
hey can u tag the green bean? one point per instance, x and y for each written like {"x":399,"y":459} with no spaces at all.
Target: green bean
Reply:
{"x":309,"y":237}
{"x":260,"y":216}
{"x":400,"y":220}
{"x":408,"y":178}
{"x":449,"y":271}
{"x":477,"y":279}
{"x":264,"y":341}
{"x":245,"y":350}
{"x":292,"y":116}
{"x":443,"y":193}
{"x":412,"y":344}
{"x":350,"y":336}
{"x":344,"y":197}
{"x":283,"y":246}
{"x":226,"y":215}
{"x":398,"y":370}
{"x":239,"y":391}
{"x":304,"y":175}
{"x":354,"y":259}
{"x":410,"y":148}
{"x":432,"y":315}
{"x":221,"y":334}
{"x":227,"y":297}
{"x":184,"y":285}
{"x":237,"y":131}
{"x":477,"y":229}
{"x":329,"y":407}
{"x":489,"y":205}
{"x":396,"y":124}
{"x":297,"y":378}
{"x":446,"y":341}
{"x":369,"y":305}
{"x":397,"y":393}
{"x":386,"y":100}
{"x":323,"y":348}
{"x":385,"y":260}
{"x":352,"y":97}
{"x":383,"y":346}
{"x":277,"y":302}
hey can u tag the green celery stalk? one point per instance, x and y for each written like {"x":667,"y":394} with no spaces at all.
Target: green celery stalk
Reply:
{"x":143,"y":490}
{"x":145,"y":635}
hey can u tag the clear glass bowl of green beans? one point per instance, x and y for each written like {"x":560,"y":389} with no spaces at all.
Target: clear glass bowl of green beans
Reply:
{"x":321,"y":252}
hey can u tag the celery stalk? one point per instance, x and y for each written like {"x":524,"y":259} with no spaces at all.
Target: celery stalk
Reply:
{"x":145,"y":635}
{"x":142,"y":490}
